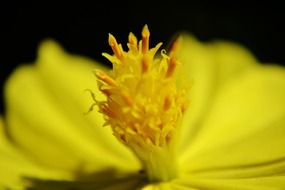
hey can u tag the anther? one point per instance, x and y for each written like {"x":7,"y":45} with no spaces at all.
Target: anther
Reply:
{"x":145,"y":39}
{"x":107,"y":111}
{"x":184,"y":107}
{"x":105,"y":78}
{"x":107,"y":92}
{"x":175,"y":46}
{"x":133,"y":40}
{"x":172,"y":63}
{"x":128,"y":100}
{"x":115,"y":47}
{"x":167,"y":103}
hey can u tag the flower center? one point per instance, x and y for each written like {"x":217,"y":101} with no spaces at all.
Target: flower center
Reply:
{"x":143,"y":104}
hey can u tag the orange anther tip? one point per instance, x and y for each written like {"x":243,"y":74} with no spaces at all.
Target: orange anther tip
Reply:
{"x":167,"y":103}
{"x":145,"y":39}
{"x":175,"y":45}
{"x":105,"y":78}
{"x":145,"y":31}
{"x":172,"y":63}
{"x":112,"y":40}
{"x":114,"y":45}
{"x":132,"y":38}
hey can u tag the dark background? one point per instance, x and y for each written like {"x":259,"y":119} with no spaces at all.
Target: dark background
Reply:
{"x":83,"y":28}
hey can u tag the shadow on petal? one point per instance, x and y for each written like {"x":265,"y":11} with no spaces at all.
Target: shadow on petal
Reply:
{"x":107,"y":179}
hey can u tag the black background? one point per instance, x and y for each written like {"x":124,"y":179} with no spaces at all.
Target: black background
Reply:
{"x":83,"y":28}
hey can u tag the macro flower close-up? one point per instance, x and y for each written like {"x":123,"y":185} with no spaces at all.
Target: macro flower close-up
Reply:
{"x":195,"y":115}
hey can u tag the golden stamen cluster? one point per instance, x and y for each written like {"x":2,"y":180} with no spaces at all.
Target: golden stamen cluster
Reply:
{"x":143,"y":105}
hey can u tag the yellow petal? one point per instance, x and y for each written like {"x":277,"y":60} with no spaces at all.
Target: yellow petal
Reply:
{"x":67,"y":77}
{"x":158,"y":186}
{"x":260,"y":183}
{"x":206,"y":67}
{"x":171,"y":185}
{"x":243,"y":135}
{"x":45,"y":115}
{"x":14,"y":166}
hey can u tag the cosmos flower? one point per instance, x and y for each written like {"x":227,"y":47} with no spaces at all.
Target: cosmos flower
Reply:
{"x":199,"y":116}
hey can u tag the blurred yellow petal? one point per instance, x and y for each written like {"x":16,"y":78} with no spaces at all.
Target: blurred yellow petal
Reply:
{"x":172,"y":185}
{"x":45,"y":115}
{"x":260,"y":183}
{"x":158,"y":186}
{"x":229,"y":60}
{"x":206,"y":67}
{"x":14,"y":166}
{"x":243,"y":133}
{"x":67,"y":77}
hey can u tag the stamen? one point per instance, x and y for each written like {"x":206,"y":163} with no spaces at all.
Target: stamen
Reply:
{"x":184,"y":107}
{"x":133,"y":40}
{"x":142,"y":103}
{"x":127,"y":98}
{"x":107,"y":92}
{"x":107,"y":111}
{"x":115,"y":47}
{"x":145,"y":63}
{"x":172,"y":63}
{"x":145,"y":39}
{"x":105,"y":78}
{"x":167,"y":103}
{"x":175,"y":46}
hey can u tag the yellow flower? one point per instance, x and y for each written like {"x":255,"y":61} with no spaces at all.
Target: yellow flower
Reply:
{"x":202,"y":116}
